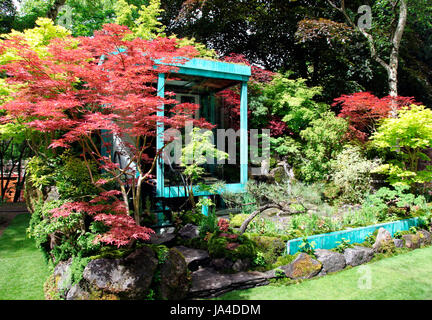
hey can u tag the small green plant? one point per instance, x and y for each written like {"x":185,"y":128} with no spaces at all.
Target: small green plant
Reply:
{"x":279,"y":273}
{"x":398,"y":235}
{"x":209,"y":223}
{"x":259,"y":260}
{"x":343,"y":245}
{"x":413,"y":229}
{"x":370,"y":238}
{"x":307,"y":247}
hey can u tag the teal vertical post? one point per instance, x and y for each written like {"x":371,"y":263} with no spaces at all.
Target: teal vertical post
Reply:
{"x":204,"y":208}
{"x":243,"y":134}
{"x":160,"y":183}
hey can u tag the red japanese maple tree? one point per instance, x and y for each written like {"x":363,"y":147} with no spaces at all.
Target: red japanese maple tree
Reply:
{"x":363,"y":110}
{"x":89,"y":88}
{"x":231,"y":96}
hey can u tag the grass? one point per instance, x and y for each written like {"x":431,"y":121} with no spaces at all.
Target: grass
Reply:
{"x":23,"y":269}
{"x":402,"y":277}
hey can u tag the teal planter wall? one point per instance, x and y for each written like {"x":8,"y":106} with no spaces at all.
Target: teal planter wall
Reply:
{"x":357,"y":235}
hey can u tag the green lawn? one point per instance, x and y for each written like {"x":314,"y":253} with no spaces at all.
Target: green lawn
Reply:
{"x":404,"y":277}
{"x":23,"y":270}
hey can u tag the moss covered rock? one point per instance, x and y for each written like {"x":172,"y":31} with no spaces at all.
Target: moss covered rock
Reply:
{"x":271,"y":247}
{"x":303,"y":267}
{"x":412,"y":241}
{"x":175,"y":279}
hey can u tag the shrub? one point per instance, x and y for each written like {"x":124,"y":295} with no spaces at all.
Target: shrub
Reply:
{"x":351,"y":174}
{"x":407,"y":136}
{"x":269,"y":247}
{"x":73,"y":179}
{"x":222,"y":247}
{"x":237,"y":220}
{"x":323,"y":141}
{"x":63,"y":237}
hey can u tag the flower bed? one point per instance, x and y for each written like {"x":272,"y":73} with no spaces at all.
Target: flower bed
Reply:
{"x":357,"y":235}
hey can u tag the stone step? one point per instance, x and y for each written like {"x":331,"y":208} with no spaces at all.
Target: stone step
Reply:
{"x":208,"y":283}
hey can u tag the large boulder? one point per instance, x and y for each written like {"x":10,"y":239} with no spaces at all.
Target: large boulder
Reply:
{"x":425,"y":237}
{"x":411,"y":241}
{"x":174,"y":277}
{"x":384,"y":241}
{"x":194,"y":257}
{"x":189,"y":231}
{"x":129,"y":278}
{"x":331,"y":261}
{"x":358,"y":255}
{"x":303,"y":267}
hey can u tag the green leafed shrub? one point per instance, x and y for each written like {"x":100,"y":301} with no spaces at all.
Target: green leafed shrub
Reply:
{"x":219,"y":247}
{"x":407,"y":136}
{"x":73,"y":179}
{"x":237,"y":220}
{"x":323,"y":141}
{"x":351,"y":174}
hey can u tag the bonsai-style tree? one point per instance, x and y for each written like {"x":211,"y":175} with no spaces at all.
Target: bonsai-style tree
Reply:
{"x":195,"y":154}
{"x":76,"y":100}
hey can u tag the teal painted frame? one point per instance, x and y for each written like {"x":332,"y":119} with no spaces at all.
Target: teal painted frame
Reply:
{"x":357,"y":235}
{"x":208,"y":69}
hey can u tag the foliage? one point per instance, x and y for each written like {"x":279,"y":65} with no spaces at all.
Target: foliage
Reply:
{"x":190,"y":216}
{"x":237,"y":220}
{"x":240,"y":247}
{"x":111,"y":212}
{"x":382,"y":204}
{"x":407,"y":136}
{"x":63,"y":237}
{"x":371,"y":238}
{"x":343,"y":245}
{"x":323,"y":141}
{"x":363,"y":110}
{"x":198,"y":151}
{"x":73,"y":178}
{"x":268,"y":248}
{"x":208,"y":223}
{"x":129,"y":101}
{"x":351,"y":174}
{"x":41,"y":173}
{"x":143,"y":21}
{"x":307,"y":247}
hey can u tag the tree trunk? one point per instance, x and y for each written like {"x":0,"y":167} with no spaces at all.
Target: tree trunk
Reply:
{"x":54,"y":10}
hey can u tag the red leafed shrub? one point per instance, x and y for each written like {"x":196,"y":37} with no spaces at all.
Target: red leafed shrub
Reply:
{"x":277,"y":127}
{"x":223,"y":225}
{"x":363,"y":110}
